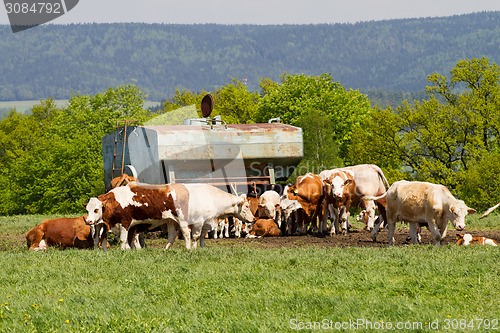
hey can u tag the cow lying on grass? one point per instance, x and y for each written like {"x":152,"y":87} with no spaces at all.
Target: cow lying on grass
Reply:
{"x":141,"y":207}
{"x":468,"y":239}
{"x":64,"y":232}
{"x":420,"y":202}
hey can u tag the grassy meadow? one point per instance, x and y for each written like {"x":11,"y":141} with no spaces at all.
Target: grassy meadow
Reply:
{"x":246,"y":289}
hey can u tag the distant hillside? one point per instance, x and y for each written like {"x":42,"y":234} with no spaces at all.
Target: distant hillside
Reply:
{"x":54,"y":60}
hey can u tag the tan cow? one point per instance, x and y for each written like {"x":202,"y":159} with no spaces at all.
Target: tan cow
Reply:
{"x":264,"y":228}
{"x":63,"y":232}
{"x":421,"y":202}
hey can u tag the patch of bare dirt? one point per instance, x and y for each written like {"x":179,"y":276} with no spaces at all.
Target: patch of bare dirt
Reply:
{"x":356,"y":237}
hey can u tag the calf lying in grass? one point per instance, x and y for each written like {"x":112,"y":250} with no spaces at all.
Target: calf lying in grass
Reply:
{"x":468,"y":239}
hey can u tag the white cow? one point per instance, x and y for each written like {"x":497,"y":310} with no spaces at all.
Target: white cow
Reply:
{"x":269,"y":206}
{"x":421,"y":202}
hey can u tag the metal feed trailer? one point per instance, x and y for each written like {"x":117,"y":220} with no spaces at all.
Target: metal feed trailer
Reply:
{"x":238,"y":157}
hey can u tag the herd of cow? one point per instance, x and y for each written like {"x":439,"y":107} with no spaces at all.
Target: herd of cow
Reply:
{"x":130,"y":208}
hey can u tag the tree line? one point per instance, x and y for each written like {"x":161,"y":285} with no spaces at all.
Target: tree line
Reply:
{"x":51,"y":158}
{"x":393,"y":55}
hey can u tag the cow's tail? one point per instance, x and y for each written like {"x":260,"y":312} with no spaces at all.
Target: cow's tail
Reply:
{"x":486,"y":213}
{"x":367,"y":197}
{"x":381,"y":174}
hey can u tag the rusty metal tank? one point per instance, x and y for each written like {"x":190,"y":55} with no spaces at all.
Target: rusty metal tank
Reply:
{"x":239,"y":154}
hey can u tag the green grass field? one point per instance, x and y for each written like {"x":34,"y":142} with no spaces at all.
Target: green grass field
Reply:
{"x":246,"y":289}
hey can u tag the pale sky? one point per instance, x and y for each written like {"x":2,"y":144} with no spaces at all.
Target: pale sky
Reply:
{"x":262,"y":11}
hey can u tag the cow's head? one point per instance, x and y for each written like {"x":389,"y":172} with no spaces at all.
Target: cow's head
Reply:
{"x":268,"y":209}
{"x":247,"y":228}
{"x":459,"y":211}
{"x":94,"y":210}
{"x":463,"y":239}
{"x":243,"y":211}
{"x":335,"y":186}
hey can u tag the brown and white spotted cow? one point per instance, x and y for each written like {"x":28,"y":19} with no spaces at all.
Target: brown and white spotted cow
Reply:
{"x":308,"y":190}
{"x":339,"y":192}
{"x":64,"y":232}
{"x":141,"y":207}
{"x":369,"y":181}
{"x":421,"y":202}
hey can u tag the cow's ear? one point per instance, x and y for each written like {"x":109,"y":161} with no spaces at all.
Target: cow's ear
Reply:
{"x":347,"y":182}
{"x":85,"y":204}
{"x":460,"y":236}
{"x":471,"y":210}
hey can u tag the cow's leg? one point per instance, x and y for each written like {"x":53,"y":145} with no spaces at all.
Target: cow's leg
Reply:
{"x":277,"y":218}
{"x":414,"y":233}
{"x":288,"y":216}
{"x":391,"y":228}
{"x":344,"y":218}
{"x":196,"y":230}
{"x":104,"y":237}
{"x":221,"y":227}
{"x":226,"y":234}
{"x":435,"y":233}
{"x":131,"y":238}
{"x":206,"y":228}
{"x":172,"y":234}
{"x":237,"y":228}
{"x":324,"y":217}
{"x":186,"y":233}
{"x":123,"y":238}
{"x":140,"y":240}
{"x":443,"y":230}
{"x":370,"y":211}
{"x":94,"y":231}
{"x":335,"y":230}
{"x":137,"y":242}
{"x":300,"y":222}
{"x":324,"y":229}
{"x":378,"y":224}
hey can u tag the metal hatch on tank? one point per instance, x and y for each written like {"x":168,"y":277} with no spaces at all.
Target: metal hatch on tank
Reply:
{"x":205,"y":151}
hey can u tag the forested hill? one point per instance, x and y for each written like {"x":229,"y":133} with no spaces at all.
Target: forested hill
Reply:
{"x":54,"y":60}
